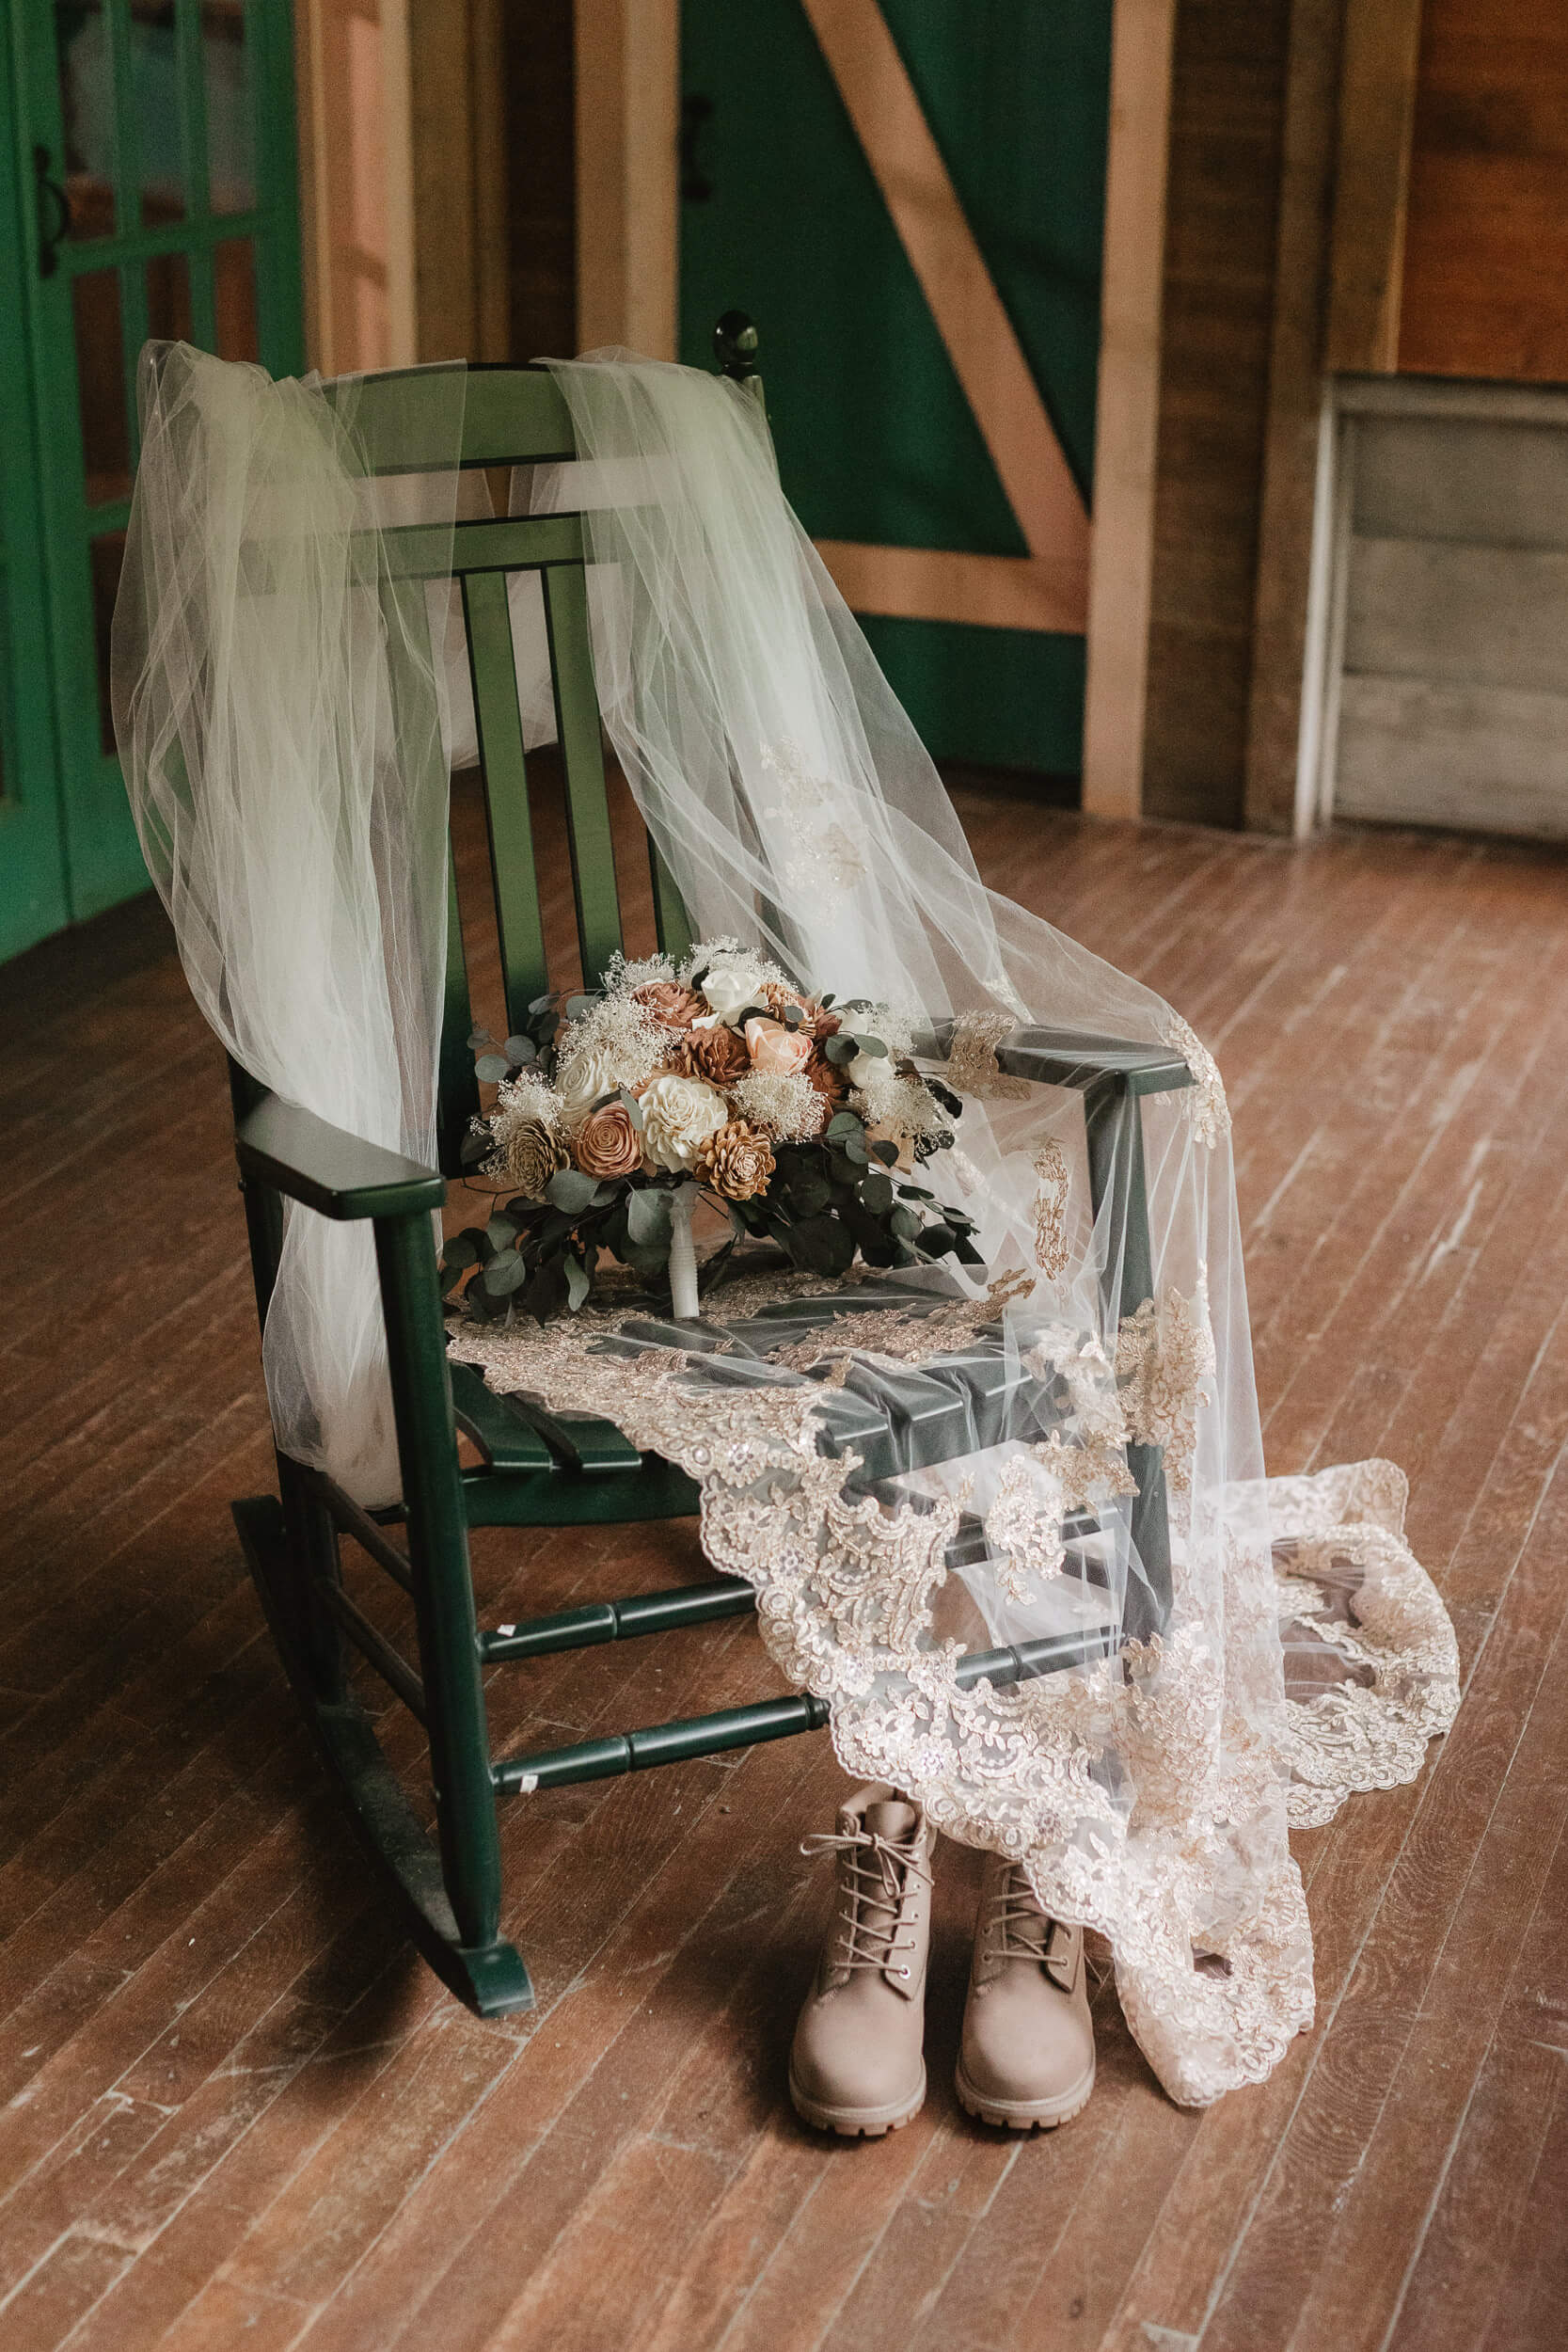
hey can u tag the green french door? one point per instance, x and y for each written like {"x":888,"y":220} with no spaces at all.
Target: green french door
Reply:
{"x":151,"y":145}
{"x":907,"y":195}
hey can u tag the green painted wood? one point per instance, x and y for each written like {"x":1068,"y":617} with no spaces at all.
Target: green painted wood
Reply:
{"x":443,"y":1583}
{"x":524,"y":970}
{"x":622,"y":1620}
{"x":577,"y":705}
{"x":511,"y":416}
{"x":671,"y":924}
{"x":515,"y":543}
{"x":34,"y":880}
{"x":158,"y":108}
{"x":489,"y":1977}
{"x":457,"y":1089}
{"x":508,"y":1443}
{"x":338,"y":1175}
{"x":660,"y":1744}
{"x":557,"y":1498}
{"x":876,"y":441}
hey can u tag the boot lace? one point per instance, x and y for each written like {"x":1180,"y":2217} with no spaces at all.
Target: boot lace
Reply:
{"x":874,"y":1873}
{"x":1014,"y":1909}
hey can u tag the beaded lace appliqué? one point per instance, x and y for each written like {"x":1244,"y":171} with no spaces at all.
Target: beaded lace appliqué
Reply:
{"x":1203,"y":1104}
{"x":822,"y":854}
{"x":972,"y":1065}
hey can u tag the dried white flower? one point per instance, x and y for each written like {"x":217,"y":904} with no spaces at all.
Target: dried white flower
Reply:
{"x":618,"y":1044}
{"x":786,"y":1104}
{"x":732,"y":982}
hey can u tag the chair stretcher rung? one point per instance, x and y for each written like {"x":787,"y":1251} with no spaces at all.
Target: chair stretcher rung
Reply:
{"x":389,"y":1664}
{"x":619,"y":1620}
{"x":660,"y":1744}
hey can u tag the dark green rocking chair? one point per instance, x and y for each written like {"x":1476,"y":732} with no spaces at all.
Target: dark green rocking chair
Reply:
{"x":538,"y":1473}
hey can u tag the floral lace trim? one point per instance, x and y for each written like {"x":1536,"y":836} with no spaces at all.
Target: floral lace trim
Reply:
{"x":845,"y":1589}
{"x":1203,"y":1104}
{"x":972,"y":1066}
{"x":1051,"y":1200}
{"x":1164,"y":1353}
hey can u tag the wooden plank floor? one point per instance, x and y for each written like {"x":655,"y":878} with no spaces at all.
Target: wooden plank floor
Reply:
{"x":234,"y":2110}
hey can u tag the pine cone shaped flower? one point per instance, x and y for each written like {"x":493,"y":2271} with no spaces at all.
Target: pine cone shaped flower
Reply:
{"x":718,"y":1054}
{"x":737,"y":1161}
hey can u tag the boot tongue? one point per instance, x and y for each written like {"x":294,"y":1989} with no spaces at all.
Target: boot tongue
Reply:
{"x":890,"y":1817}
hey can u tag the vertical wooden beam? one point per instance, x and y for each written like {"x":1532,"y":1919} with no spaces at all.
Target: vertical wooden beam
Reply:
{"x":628,"y":67}
{"x":1278,"y":797}
{"x":1377,"y":121}
{"x":1121,"y":560}
{"x":442,"y":145}
{"x":401,"y":249}
{"x":491,"y":172}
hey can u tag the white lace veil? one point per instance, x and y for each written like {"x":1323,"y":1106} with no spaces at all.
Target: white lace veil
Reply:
{"x":295,"y":830}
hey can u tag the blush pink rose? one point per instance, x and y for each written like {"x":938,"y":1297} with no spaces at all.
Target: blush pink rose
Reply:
{"x":777,"y":1050}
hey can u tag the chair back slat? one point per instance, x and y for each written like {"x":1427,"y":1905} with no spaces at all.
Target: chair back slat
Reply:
{"x":511,"y":416}
{"x":457,"y":1089}
{"x":520,"y":927}
{"x":577,"y":705}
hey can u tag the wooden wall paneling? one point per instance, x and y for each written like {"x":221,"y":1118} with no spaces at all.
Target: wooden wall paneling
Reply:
{"x":626,"y":107}
{"x":1228,"y":101}
{"x":1127,"y":416}
{"x":441,"y":116}
{"x":1377,"y":117}
{"x":1486,"y":248}
{"x":541,"y":180}
{"x":1280,"y":760}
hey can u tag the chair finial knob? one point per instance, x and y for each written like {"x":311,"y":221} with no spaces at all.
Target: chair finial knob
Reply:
{"x":734,"y":344}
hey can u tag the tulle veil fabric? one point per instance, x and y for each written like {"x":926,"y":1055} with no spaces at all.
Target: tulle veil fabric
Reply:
{"x":295,"y":828}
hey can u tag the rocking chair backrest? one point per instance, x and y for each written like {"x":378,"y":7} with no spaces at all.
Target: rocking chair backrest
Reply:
{"x":512,"y":416}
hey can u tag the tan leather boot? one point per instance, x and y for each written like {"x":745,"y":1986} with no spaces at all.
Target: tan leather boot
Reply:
{"x":857,"y":2064}
{"x":1027,"y":2053}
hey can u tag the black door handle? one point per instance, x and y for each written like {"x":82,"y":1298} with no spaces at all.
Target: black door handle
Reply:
{"x":696,"y":187}
{"x":49,"y":192}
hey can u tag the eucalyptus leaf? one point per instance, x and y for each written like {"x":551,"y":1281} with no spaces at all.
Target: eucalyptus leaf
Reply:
{"x":570,"y":1191}
{"x":578,"y":1283}
{"x":460,"y":1251}
{"x":648,"y":1216}
{"x":885,"y":1151}
{"x":839,"y":1048}
{"x":543,"y":1004}
{"x":478,"y":1037}
{"x":844,"y":1123}
{"x":474,"y":1149}
{"x":872,"y":1045}
{"x":576,"y":1007}
{"x":904,"y":1222}
{"x":450,"y":1277}
{"x":491,"y":1066}
{"x":505,"y":1273}
{"x":501,"y":1233}
{"x":854,"y":1149}
{"x":633,"y":1107}
{"x":876,"y":1193}
{"x":518,"y":1049}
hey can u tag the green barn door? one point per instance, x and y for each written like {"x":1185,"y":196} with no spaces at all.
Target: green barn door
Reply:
{"x":908,"y":196}
{"x":156,"y":156}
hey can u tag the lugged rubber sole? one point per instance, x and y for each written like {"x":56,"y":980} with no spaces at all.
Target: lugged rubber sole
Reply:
{"x":856,"y":2123}
{"x":1023,"y":2115}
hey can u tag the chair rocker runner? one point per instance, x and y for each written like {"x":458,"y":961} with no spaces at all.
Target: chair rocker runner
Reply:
{"x":537,"y":1470}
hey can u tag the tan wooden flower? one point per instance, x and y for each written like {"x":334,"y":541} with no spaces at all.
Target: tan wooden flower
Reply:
{"x":737,"y":1161}
{"x":529,"y":1153}
{"x":608,"y":1143}
{"x":669,"y":1002}
{"x":718,"y":1054}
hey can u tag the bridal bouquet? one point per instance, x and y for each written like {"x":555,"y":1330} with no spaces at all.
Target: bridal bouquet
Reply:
{"x":802,"y":1119}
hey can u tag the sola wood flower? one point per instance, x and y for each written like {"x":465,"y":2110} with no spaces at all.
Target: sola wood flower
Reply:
{"x":678,"y":1116}
{"x":607,"y":1143}
{"x":718,"y":1054}
{"x":737,"y":1161}
{"x":670,"y":1003}
{"x":528,"y":1155}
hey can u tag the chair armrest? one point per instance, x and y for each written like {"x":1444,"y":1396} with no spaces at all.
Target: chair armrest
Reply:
{"x":1067,"y":1057}
{"x":323,"y":1168}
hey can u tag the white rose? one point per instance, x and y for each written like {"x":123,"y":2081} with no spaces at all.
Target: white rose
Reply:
{"x":678,"y":1116}
{"x":588,"y":1075}
{"x":732,"y":982}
